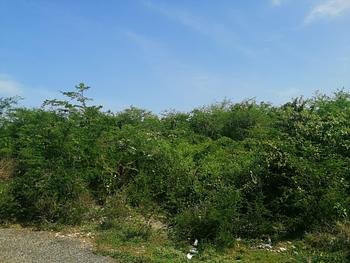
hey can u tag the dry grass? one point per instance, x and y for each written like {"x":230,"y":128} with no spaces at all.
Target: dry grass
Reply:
{"x":7,"y":169}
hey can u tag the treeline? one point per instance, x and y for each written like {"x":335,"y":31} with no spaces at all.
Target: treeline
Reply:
{"x":219,"y":172}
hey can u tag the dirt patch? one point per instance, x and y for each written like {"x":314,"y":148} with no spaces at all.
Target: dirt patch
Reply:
{"x":19,"y":245}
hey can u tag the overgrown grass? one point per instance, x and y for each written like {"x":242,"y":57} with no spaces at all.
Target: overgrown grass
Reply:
{"x":159,"y":249}
{"x":130,"y":236}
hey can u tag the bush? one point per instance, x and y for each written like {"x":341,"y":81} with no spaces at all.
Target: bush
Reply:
{"x":217,"y":172}
{"x":215,"y":220}
{"x":39,"y":197}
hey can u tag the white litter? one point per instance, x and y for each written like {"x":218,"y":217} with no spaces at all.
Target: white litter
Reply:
{"x":189,"y":255}
{"x":265,"y":246}
{"x":193,"y":250}
{"x":281,"y":249}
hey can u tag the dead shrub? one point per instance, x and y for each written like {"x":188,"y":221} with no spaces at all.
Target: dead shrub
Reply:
{"x":7,"y":169}
{"x":337,"y":238}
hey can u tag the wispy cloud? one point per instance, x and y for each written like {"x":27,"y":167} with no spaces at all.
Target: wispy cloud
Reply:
{"x":213,"y":30}
{"x":9,"y":86}
{"x":178,"y":76}
{"x":277,"y":2}
{"x":142,"y":41}
{"x":328,"y":9}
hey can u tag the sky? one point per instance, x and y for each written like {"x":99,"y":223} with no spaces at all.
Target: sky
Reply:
{"x":174,"y":54}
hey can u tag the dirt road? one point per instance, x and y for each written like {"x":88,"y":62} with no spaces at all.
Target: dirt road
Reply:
{"x":19,"y":246}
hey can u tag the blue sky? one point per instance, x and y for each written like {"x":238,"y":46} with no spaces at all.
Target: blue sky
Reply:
{"x":176,"y":54}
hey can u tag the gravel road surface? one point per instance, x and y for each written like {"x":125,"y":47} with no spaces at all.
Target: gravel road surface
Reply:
{"x":17,"y":246}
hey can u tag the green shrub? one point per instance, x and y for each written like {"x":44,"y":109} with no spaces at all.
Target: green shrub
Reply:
{"x":218,"y":172}
{"x":216,"y":220}
{"x":41,"y":197}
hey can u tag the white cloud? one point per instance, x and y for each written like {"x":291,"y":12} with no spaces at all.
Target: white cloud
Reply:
{"x":9,"y":86}
{"x":212,"y":29}
{"x":277,"y":2}
{"x":328,"y":9}
{"x":142,"y":41}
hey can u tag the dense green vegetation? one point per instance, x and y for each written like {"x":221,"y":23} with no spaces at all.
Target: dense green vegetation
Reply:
{"x":216,"y":173}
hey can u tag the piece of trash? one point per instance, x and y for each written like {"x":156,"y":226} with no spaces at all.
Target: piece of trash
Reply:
{"x":281,"y":249}
{"x":189,"y":255}
{"x":265,"y":246}
{"x":193,"y":250}
{"x":270,"y":248}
